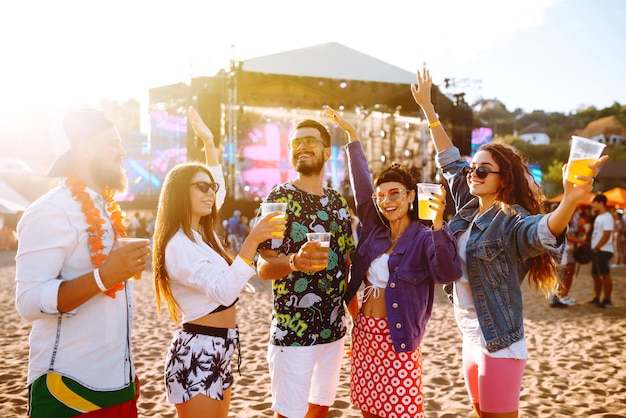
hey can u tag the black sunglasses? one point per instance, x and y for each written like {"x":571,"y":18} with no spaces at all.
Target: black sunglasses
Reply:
{"x":205,"y":187}
{"x":481,"y":171}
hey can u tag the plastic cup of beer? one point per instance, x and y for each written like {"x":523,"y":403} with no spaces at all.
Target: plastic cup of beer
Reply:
{"x":424,"y":191}
{"x":324,"y":239}
{"x":270,"y":207}
{"x":124,"y":241}
{"x":582,"y":152}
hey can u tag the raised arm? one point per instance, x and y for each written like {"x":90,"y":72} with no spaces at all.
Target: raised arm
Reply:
{"x":346,"y":126}
{"x":573,"y":195}
{"x":206,"y":136}
{"x":421,"y":94}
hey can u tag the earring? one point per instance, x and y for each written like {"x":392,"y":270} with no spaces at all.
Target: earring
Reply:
{"x":411,"y":206}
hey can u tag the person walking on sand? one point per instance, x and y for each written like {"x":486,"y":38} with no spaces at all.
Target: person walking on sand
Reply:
{"x":200,"y":283}
{"x":72,"y":280}
{"x":602,"y":248}
{"x":399,"y":260}
{"x":308,"y":328}
{"x":503,"y":236}
{"x":576,"y":236}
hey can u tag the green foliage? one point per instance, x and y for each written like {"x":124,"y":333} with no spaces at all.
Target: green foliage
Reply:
{"x":559,"y":127}
{"x":553,"y":178}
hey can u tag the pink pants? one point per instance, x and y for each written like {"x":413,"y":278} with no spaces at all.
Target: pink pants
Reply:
{"x":493,"y":383}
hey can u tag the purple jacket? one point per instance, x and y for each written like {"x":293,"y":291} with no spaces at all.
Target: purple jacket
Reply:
{"x":420,"y":258}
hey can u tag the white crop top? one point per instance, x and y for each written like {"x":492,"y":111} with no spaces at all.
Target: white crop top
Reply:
{"x":377,"y":275}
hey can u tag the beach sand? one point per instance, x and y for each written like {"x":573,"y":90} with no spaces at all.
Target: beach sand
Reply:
{"x":576,"y":365}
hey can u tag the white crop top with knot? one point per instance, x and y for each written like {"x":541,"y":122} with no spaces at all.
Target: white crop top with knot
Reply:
{"x":377,"y":276}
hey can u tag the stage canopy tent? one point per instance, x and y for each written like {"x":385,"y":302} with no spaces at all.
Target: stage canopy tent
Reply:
{"x":331,"y":60}
{"x":308,"y":78}
{"x":299,"y":82}
{"x":328,"y":74}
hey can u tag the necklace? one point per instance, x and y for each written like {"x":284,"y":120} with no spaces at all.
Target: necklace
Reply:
{"x":395,"y":237}
{"x":95,"y":222}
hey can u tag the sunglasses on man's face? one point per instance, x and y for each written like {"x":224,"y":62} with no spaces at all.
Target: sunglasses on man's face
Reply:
{"x":309,"y":141}
{"x":205,"y":187}
{"x":481,"y":171}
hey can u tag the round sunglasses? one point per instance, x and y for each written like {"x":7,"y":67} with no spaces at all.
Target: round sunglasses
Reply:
{"x":481,"y":171}
{"x":391,"y":195}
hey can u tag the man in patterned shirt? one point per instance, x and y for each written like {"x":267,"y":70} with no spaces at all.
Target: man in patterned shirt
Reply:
{"x":308,"y":319}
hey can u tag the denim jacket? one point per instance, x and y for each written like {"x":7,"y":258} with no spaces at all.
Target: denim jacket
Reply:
{"x":498,"y":254}
{"x":420,"y":258}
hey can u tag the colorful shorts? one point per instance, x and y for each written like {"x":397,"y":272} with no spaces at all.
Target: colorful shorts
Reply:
{"x":198,"y":362}
{"x":56,"y":396}
{"x":383,"y":382}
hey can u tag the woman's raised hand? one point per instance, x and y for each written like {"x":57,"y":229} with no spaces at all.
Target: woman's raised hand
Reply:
{"x":438,"y":203}
{"x":343,"y":124}
{"x":421,"y":92}
{"x":198,"y":125}
{"x":577,"y":191}
{"x":269,"y":226}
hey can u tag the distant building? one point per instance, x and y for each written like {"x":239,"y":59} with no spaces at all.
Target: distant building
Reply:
{"x":535,"y":134}
{"x":607,"y":130}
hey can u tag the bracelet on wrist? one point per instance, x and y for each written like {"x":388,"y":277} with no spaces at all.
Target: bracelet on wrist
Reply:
{"x":292,"y":262}
{"x":434,"y":124}
{"x":98,"y":279}
{"x":245,"y":260}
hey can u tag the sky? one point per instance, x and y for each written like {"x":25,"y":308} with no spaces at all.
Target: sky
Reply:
{"x":551,"y":55}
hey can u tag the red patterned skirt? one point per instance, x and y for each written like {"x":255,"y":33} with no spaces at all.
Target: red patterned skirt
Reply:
{"x":383,"y":382}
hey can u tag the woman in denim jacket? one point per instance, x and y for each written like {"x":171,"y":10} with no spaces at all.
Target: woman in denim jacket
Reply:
{"x":503,"y":235}
{"x":400,"y":261}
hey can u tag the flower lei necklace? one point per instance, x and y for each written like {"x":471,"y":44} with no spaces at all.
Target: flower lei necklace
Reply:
{"x":95,"y":222}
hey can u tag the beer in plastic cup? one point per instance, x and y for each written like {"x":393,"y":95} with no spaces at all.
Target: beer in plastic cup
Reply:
{"x":582,"y":152}
{"x":270,"y":207}
{"x":124,"y":241}
{"x":424,"y":190}
{"x":324,"y":239}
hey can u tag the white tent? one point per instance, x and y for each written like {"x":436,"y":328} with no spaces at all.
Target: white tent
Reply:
{"x":329,"y":60}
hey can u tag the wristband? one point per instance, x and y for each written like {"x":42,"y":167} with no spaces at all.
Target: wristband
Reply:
{"x":434,"y":124}
{"x":292,"y":262}
{"x":98,"y":279}
{"x":245,"y":260}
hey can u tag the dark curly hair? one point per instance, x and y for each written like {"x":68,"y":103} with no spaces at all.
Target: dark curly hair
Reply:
{"x":520,"y":188}
{"x":397,"y":173}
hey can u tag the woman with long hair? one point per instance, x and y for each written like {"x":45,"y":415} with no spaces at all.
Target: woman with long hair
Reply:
{"x":503,"y":235}
{"x":199,"y":282}
{"x":399,"y":260}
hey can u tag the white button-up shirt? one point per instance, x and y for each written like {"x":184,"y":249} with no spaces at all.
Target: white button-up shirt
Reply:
{"x":91,"y":344}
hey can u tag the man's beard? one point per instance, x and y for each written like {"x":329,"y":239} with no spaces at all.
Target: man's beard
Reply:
{"x":113,"y":177}
{"x":312,"y":166}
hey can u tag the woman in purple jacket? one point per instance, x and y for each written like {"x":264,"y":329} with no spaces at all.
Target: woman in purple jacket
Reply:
{"x":399,"y":260}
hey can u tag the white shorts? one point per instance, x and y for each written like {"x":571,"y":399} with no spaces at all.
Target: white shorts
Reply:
{"x":303,"y":375}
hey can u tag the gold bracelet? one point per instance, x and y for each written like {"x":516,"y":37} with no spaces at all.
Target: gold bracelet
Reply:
{"x":245,"y":260}
{"x":434,"y":124}
{"x":292,"y":262}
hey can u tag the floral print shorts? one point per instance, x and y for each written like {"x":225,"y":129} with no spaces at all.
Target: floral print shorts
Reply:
{"x":198,"y":362}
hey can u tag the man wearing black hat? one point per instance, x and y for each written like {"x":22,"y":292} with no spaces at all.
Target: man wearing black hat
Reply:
{"x":72,"y":281}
